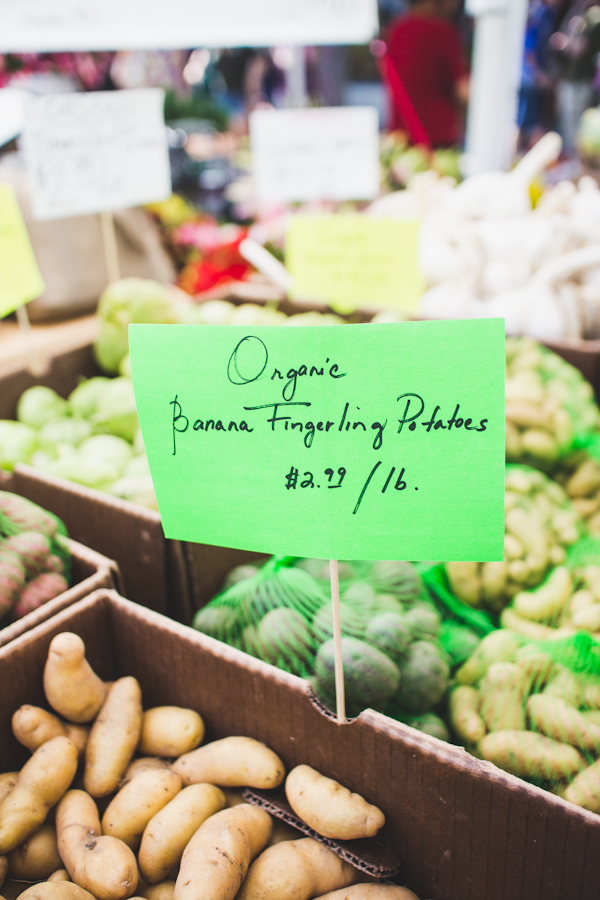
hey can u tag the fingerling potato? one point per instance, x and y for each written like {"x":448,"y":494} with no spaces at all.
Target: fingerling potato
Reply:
{"x":114,"y":736}
{"x":33,"y":726}
{"x":129,"y":812}
{"x":71,"y":686}
{"x":232,"y":762}
{"x":37,"y":858}
{"x":101,"y":864}
{"x":138,"y":765}
{"x":328,"y":807}
{"x":56,"y":890}
{"x":170,"y":830}
{"x":59,"y":875}
{"x":170,"y":731}
{"x":7,"y":783}
{"x":216,"y":860}
{"x":296,"y":870}
{"x":164,"y":890}
{"x":41,"y":783}
{"x":371,"y":892}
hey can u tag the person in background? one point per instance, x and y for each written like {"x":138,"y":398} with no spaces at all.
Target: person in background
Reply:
{"x":424,"y":48}
{"x":576,"y":44}
{"x":536,"y":92}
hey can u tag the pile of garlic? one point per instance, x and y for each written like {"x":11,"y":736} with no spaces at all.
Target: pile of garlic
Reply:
{"x":485,"y":253}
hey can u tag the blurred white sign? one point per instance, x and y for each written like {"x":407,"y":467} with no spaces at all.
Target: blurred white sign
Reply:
{"x":315,"y":154}
{"x":100,"y":151}
{"x":44,"y":25}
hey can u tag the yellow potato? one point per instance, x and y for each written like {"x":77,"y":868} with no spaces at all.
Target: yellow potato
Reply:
{"x":59,"y":875}
{"x":56,"y":890}
{"x":100,"y":864}
{"x":328,"y":807}
{"x":114,"y":736}
{"x":7,"y":783}
{"x":296,"y":870}
{"x":371,"y":892}
{"x":33,"y":726}
{"x":41,"y":783}
{"x":3,"y":869}
{"x":138,"y":765}
{"x":37,"y":858}
{"x":165,"y":890}
{"x":216,"y":860}
{"x":232,"y":762}
{"x":71,"y":686}
{"x":137,"y":802}
{"x":170,"y":731}
{"x":168,"y":832}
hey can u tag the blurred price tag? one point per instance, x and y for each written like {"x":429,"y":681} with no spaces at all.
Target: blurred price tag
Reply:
{"x":315,"y":154}
{"x":349,"y":442}
{"x":20,"y":278}
{"x":43,"y":25}
{"x":354,"y":261}
{"x":99,"y":151}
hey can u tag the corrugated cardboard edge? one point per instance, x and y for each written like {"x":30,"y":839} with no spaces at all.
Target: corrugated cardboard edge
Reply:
{"x":366,"y":855}
{"x":104,"y":573}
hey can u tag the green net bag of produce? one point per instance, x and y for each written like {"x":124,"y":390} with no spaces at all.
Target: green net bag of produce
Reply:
{"x":533,"y":708}
{"x":393,"y":658}
{"x":550,"y":407}
{"x":541,"y":524}
{"x":34,"y":557}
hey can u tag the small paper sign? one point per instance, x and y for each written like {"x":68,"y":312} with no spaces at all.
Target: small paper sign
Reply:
{"x":20,"y":278}
{"x":348,"y":442}
{"x":355,"y":261}
{"x":99,"y":151}
{"x":315,"y":154}
{"x":43,"y":25}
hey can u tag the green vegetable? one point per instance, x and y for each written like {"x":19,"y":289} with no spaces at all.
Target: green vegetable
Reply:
{"x":123,"y":302}
{"x":63,"y":431}
{"x":352,"y":622}
{"x":398,"y":578}
{"x":83,"y":401}
{"x":107,"y":448}
{"x":17,"y":444}
{"x":38,"y":405}
{"x":458,"y":641}
{"x":391,"y":634}
{"x":423,"y":622}
{"x":370,"y":678}
{"x":425,"y":677}
{"x":116,"y":412}
{"x":283,"y":638}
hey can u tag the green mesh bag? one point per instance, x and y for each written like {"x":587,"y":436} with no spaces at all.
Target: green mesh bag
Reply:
{"x":34,"y":557}
{"x":394,"y":660}
{"x":532,"y":707}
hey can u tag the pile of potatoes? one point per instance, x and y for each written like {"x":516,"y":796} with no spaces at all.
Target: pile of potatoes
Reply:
{"x":548,"y":403}
{"x":84,"y":819}
{"x":540,"y":525}
{"x":579,"y":474}
{"x":514,"y":706}
{"x":567,"y":602}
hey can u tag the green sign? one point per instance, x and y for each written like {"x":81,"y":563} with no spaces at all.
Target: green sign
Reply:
{"x":345,"y":442}
{"x":354,"y":261}
{"x":20,"y":278}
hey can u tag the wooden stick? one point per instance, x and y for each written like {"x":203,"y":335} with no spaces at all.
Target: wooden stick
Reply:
{"x":111,"y":250}
{"x":340,"y":698}
{"x":35,"y":362}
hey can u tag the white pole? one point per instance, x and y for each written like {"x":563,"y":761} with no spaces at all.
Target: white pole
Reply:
{"x":496,"y":75}
{"x":296,"y":93}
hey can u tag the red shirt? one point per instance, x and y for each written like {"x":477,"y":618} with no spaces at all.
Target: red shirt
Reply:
{"x":426,"y":52}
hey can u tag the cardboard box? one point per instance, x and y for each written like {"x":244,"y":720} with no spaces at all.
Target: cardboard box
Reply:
{"x":463,"y":829}
{"x":90,"y":571}
{"x":153,"y":569}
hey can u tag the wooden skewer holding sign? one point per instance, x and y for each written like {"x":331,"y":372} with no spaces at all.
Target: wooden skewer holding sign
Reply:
{"x":37,"y":366}
{"x":340,"y":698}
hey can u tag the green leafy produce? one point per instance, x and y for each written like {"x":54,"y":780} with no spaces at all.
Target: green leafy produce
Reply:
{"x":39,"y":405}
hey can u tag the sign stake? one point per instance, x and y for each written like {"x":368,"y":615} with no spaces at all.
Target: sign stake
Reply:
{"x":35,"y":362}
{"x":111,"y":251}
{"x":340,"y":699}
